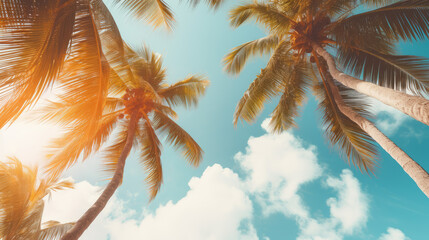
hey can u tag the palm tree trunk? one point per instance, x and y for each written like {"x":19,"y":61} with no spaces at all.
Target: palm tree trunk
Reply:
{"x":89,"y":216}
{"x":414,"y":106}
{"x":412,"y":168}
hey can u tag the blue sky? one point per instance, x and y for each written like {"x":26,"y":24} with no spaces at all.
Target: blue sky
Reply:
{"x":251,"y":184}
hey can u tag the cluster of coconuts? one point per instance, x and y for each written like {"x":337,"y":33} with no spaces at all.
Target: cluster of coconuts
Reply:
{"x":305,"y":32}
{"x":136,"y":99}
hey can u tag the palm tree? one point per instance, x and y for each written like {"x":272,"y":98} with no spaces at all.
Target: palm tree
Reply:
{"x":21,"y":203}
{"x":137,"y":110}
{"x":299,"y":33}
{"x":371,"y":58}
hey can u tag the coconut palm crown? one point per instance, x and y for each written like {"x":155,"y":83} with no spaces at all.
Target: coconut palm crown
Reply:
{"x":22,"y":204}
{"x":364,"y":43}
{"x":149,"y":98}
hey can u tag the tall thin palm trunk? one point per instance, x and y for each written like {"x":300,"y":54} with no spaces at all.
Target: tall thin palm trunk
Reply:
{"x":89,"y":216}
{"x":412,"y":168}
{"x":414,"y":106}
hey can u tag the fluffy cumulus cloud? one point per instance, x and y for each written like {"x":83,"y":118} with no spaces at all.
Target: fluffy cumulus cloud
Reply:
{"x":348,"y":211}
{"x":218,"y":204}
{"x":393,"y":234}
{"x":351,"y":206}
{"x":278,"y":166}
{"x":215,"y":207}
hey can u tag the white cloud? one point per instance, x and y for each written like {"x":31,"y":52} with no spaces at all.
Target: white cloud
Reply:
{"x":393,"y":234}
{"x":388,"y":118}
{"x":348,"y":212}
{"x":215,"y":207}
{"x":351,"y":206}
{"x":278,"y":166}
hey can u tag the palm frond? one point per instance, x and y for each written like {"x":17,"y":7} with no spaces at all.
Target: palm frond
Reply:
{"x":335,"y":7}
{"x":59,"y":185}
{"x":266,"y":85}
{"x":54,"y":230}
{"x":165,"y":110}
{"x":151,"y":157}
{"x":294,"y":87}
{"x":406,"y":19}
{"x":178,"y":137}
{"x":185,"y":92}
{"x":112,"y":153}
{"x":377,"y":2}
{"x":66,"y":150}
{"x":112,"y":43}
{"x":32,"y":56}
{"x":16,"y":186}
{"x":84,"y":80}
{"x":30,"y":225}
{"x":401,"y":72}
{"x":236,"y":59}
{"x":16,"y":12}
{"x":113,"y":104}
{"x":264,"y":13}
{"x":346,"y":135}
{"x":156,"y":12}
{"x":21,"y":199}
{"x":363,"y":38}
{"x":147,"y":67}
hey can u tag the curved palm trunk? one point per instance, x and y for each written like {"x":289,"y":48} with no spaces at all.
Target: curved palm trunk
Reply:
{"x":414,"y":106}
{"x":89,"y":216}
{"x":412,"y":168}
